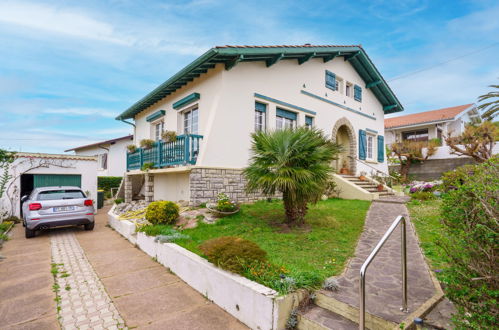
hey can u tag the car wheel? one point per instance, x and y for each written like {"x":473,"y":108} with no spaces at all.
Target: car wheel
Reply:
{"x":29,"y":233}
{"x":89,"y":226}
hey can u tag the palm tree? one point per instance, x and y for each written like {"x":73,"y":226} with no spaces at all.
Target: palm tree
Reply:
{"x":295,"y":162}
{"x":491,"y":107}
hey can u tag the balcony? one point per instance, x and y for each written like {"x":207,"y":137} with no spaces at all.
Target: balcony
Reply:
{"x":183,"y":151}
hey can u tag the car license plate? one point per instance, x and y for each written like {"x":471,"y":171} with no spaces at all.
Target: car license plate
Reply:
{"x":64,"y":208}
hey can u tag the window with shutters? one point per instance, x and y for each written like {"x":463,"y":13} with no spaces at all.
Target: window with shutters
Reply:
{"x":348,"y":89}
{"x":158,"y":129}
{"x":285,"y":119}
{"x":309,"y":121}
{"x":260,"y":116}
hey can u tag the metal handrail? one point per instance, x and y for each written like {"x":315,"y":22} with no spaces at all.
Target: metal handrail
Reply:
{"x":363,"y":269}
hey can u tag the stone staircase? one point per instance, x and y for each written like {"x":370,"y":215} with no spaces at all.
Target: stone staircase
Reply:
{"x":368,"y":185}
{"x":339,"y":309}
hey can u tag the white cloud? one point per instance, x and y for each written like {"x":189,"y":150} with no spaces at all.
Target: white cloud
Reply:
{"x":82,"y":112}
{"x":59,"y":20}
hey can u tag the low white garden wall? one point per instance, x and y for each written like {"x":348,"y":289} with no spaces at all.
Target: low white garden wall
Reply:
{"x":253,"y":304}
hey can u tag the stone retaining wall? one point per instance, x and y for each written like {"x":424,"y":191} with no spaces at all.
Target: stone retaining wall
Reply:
{"x":432,"y":169}
{"x":207,"y":183}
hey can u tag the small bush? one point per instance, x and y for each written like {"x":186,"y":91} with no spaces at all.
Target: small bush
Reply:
{"x":231,"y":253}
{"x":131,"y":148}
{"x":423,"y":195}
{"x":118,"y":201}
{"x":162,"y":212}
{"x":147,"y":143}
{"x":147,"y":166}
{"x":107,"y":182}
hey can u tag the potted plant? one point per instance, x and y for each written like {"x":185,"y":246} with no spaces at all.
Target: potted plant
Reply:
{"x":169,"y":136}
{"x":147,"y":166}
{"x":131,"y":148}
{"x":147,"y":143}
{"x":381,"y":184}
{"x":224,"y":206}
{"x":344,"y":169}
{"x":362,"y":176}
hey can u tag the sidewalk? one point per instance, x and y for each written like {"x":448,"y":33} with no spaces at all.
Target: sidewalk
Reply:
{"x":145,"y":294}
{"x":26,"y":296}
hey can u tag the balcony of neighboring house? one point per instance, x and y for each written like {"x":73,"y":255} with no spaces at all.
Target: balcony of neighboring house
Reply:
{"x":183,"y":151}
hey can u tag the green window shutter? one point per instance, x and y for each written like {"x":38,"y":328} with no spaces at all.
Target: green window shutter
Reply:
{"x":260,"y":107}
{"x":330,"y":80}
{"x":381,"y":148}
{"x":286,"y":114}
{"x":357,"y":93}
{"x":362,"y":144}
{"x":54,"y":180}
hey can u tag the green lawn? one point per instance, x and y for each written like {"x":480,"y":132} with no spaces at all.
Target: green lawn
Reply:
{"x":426,"y":218}
{"x":310,"y":254}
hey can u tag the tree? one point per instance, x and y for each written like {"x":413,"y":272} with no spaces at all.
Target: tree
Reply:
{"x":409,"y":152}
{"x":477,"y":141}
{"x":491,"y":106}
{"x":295,"y":162}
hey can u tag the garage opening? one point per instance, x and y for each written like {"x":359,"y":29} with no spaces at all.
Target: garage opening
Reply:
{"x":32,"y":181}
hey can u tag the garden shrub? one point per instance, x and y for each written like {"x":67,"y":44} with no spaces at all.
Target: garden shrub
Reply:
{"x":231,"y":253}
{"x":470,"y":211}
{"x":118,"y":201}
{"x":162,"y":212}
{"x":423,"y":195}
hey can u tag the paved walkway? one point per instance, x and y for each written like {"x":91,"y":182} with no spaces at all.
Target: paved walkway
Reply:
{"x":83,"y":301}
{"x":383,"y":279}
{"x":102,"y":281}
{"x":26,"y":296}
{"x":145,"y":294}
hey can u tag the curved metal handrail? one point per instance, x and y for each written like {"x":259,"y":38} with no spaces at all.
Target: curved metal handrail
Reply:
{"x":363,"y":269}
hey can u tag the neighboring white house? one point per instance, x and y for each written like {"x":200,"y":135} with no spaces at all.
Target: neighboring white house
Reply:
{"x":217,"y":101}
{"x":111,"y":155}
{"x":428,"y":125}
{"x":33,"y":170}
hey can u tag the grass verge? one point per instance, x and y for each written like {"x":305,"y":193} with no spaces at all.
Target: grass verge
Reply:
{"x":425,"y":216}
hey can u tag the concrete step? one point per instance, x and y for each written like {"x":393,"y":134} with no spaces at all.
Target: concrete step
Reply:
{"x":351,"y":313}
{"x":318,"y":318}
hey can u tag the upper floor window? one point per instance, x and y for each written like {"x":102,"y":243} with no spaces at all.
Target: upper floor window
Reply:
{"x":348,"y":89}
{"x":158,"y":129}
{"x":309,"y":121}
{"x":285,"y":119}
{"x":260,"y":116}
{"x":191,"y":121}
{"x":102,"y":159}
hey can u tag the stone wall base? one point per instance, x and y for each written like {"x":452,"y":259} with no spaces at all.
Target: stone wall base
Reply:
{"x":207,"y":183}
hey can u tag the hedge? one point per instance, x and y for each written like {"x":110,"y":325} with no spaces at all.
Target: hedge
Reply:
{"x":107,"y":182}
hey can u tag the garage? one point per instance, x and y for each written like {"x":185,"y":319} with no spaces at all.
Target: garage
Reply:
{"x":30,"y":171}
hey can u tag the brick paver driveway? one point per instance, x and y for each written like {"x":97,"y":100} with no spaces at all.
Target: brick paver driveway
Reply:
{"x":108,"y":281}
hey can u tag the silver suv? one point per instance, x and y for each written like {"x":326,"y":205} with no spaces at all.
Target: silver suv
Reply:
{"x":49,"y":207}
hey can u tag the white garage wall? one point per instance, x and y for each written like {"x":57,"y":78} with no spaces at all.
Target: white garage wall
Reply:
{"x":48,"y":164}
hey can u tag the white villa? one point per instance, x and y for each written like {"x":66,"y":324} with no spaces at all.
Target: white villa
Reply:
{"x":217,"y":101}
{"x":432,"y":124}
{"x":111,"y":155}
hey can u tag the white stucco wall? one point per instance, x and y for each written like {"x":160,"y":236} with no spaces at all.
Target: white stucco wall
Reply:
{"x":171,"y":187}
{"x":116,"y":158}
{"x":87,"y":168}
{"x":226,"y":106}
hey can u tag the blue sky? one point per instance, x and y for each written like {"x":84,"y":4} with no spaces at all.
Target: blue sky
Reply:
{"x":67,"y":68}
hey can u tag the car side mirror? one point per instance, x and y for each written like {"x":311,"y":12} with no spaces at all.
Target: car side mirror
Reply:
{"x":24,"y":198}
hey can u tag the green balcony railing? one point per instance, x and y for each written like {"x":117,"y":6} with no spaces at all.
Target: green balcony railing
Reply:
{"x":183,"y":151}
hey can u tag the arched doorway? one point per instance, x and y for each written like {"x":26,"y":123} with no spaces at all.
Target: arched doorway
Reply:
{"x":344,"y":134}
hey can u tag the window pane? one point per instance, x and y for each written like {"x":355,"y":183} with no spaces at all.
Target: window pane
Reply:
{"x":279,"y":122}
{"x":60,"y":194}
